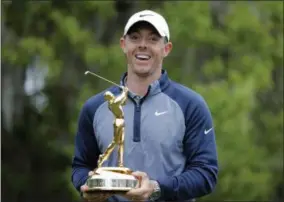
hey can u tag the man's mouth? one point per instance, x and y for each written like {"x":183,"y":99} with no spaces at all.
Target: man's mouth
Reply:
{"x":142,"y":57}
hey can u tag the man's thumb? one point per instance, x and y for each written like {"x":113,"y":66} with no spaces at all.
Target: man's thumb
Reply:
{"x":91,"y":173}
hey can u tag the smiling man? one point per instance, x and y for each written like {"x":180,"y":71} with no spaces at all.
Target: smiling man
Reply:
{"x":169,"y":134}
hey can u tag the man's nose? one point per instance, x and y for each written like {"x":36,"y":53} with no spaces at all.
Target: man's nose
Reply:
{"x":143,"y":43}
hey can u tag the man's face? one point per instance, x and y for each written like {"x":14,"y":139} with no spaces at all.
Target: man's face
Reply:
{"x":145,"y":49}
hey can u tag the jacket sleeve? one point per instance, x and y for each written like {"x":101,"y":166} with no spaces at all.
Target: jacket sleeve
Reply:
{"x":86,"y":149}
{"x":200,"y":175}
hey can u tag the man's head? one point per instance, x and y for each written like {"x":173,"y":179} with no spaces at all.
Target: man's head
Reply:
{"x":146,"y":42}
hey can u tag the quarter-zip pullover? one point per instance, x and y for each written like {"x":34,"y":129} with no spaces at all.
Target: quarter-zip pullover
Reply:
{"x":169,"y":135}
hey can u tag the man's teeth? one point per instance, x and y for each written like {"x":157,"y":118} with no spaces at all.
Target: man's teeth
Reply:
{"x":143,"y":57}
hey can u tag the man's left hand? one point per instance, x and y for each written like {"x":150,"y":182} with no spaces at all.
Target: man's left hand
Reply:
{"x":144,"y":190}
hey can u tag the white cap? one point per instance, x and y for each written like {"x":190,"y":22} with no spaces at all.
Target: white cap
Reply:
{"x":151,"y":17}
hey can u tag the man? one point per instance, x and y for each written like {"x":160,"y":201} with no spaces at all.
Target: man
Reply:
{"x":169,"y":134}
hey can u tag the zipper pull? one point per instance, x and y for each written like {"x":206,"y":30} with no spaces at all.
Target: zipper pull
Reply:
{"x":138,"y":107}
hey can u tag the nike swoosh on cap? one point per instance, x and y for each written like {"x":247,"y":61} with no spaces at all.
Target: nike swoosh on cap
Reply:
{"x":143,"y":15}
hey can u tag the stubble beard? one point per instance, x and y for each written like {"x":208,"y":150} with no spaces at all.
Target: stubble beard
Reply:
{"x":142,"y":73}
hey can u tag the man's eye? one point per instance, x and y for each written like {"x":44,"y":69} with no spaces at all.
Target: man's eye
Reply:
{"x":154,"y":38}
{"x":134,"y":37}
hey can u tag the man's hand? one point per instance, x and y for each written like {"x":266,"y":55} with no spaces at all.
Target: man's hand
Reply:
{"x":144,"y":190}
{"x":93,"y":196}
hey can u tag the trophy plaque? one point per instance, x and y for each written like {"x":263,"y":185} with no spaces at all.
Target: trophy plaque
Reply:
{"x":115,"y":180}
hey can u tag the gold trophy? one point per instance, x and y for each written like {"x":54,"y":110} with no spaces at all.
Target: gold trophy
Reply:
{"x":116,"y":180}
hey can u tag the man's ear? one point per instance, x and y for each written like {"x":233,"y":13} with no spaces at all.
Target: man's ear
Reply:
{"x":168,"y":48}
{"x":122,"y":44}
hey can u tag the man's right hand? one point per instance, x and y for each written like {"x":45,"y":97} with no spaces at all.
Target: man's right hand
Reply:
{"x":93,"y":196}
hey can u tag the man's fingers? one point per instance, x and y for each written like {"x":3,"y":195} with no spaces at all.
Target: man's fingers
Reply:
{"x":84,"y":188}
{"x":141,"y":192}
{"x":136,"y":192}
{"x":137,"y":195}
{"x":140,"y":174}
{"x":138,"y":184}
{"x":91,"y":173}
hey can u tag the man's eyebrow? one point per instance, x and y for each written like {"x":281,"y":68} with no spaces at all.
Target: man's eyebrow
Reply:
{"x":152,"y":33}
{"x":156,"y":34}
{"x":133,"y":31}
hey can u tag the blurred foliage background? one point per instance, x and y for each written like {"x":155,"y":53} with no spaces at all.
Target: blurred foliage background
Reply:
{"x":230,"y":52}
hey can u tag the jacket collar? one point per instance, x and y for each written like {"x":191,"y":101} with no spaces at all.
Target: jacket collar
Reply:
{"x":156,"y":87}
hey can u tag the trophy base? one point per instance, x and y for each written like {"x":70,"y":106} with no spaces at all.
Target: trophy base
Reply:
{"x":115,"y":180}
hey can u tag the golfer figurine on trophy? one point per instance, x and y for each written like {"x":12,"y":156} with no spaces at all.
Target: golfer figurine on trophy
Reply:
{"x":115,"y":106}
{"x":115,"y":179}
